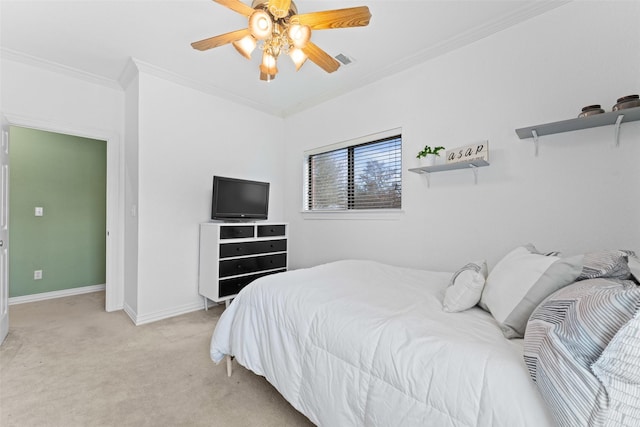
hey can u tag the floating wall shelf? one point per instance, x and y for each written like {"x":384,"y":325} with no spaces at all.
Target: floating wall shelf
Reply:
{"x":611,"y":118}
{"x":471,"y":164}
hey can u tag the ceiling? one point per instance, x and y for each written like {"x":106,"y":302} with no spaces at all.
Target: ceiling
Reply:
{"x":101,"y":37}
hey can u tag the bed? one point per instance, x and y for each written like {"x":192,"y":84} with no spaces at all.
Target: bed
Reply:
{"x":361,"y":343}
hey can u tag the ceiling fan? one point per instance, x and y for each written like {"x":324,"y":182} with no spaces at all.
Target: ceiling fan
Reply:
{"x":276,"y":27}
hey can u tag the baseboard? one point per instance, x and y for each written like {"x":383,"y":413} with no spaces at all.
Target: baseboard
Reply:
{"x":131,"y":313}
{"x":165,"y":314}
{"x":56,"y":294}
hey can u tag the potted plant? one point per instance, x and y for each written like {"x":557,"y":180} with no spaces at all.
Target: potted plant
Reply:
{"x":429,"y":154}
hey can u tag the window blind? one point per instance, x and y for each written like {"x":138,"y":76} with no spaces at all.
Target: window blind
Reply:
{"x":362,"y":176}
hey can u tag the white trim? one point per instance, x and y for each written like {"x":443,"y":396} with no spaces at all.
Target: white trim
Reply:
{"x":420,"y":57}
{"x":130,"y":312}
{"x":136,"y":66}
{"x":56,"y":294}
{"x":4,"y":231}
{"x":355,"y":141}
{"x":114,"y":299}
{"x":128,"y":74}
{"x":474,"y":34}
{"x":23,"y":58}
{"x":373,"y":214}
{"x":163,"y":314}
{"x":385,"y":214}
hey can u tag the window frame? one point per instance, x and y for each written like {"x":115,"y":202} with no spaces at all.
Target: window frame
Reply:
{"x":382,"y":213}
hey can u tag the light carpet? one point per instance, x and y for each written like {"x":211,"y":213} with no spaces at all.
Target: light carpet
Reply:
{"x":67,"y":362}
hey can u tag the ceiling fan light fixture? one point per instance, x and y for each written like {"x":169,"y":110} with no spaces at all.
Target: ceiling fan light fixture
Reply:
{"x":245,"y":46}
{"x":266,"y":77}
{"x":298,"y":57}
{"x":268,"y":65}
{"x":260,"y":24}
{"x":299,"y":35}
{"x":279,"y":8}
{"x":275,"y":27}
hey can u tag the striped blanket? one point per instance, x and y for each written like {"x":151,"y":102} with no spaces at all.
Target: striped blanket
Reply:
{"x":582,"y":349}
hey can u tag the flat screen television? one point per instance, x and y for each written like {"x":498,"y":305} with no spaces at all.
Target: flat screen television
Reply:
{"x":239,"y":199}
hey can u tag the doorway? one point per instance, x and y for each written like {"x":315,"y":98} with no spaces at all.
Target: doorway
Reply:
{"x":114,"y":286}
{"x":57,"y":185}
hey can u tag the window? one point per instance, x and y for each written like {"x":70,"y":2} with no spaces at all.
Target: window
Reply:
{"x":356,"y":175}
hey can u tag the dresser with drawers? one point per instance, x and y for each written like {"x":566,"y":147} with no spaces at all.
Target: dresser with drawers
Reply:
{"x":232,"y":255}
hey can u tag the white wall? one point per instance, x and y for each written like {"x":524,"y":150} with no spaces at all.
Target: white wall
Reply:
{"x":39,"y":96}
{"x":176,"y":140}
{"x":580,"y":194}
{"x":131,"y":159}
{"x":185,"y":137}
{"x":34,"y":91}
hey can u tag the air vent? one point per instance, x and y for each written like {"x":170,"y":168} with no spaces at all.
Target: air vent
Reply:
{"x":344,"y":59}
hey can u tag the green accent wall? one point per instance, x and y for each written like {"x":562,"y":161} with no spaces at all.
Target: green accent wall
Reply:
{"x":67,"y":176}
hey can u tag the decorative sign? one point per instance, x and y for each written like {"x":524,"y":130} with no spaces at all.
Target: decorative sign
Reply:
{"x":476,"y":151}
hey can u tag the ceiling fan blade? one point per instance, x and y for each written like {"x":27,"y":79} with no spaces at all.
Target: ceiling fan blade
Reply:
{"x":237,"y":6}
{"x":321,"y":58}
{"x":279,"y":8}
{"x":339,"y":18}
{"x":220,"y":40}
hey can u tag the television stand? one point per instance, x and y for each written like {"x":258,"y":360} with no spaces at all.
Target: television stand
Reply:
{"x":235,"y":221}
{"x":232,"y":255}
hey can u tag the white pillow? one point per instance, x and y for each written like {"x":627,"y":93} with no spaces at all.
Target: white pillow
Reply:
{"x":520,"y":281}
{"x":465,"y":287}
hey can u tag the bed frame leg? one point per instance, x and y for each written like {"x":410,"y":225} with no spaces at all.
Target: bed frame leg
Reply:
{"x":229,"y":366}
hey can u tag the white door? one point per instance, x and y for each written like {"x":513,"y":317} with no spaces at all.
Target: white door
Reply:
{"x":4,"y":236}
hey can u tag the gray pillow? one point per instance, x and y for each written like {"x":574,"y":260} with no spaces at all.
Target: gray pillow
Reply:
{"x":565,"y":335}
{"x":634,"y":266}
{"x":520,"y":281}
{"x":611,"y":264}
{"x":618,"y":369}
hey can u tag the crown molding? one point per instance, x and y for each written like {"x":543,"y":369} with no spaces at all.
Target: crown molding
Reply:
{"x":136,"y":66}
{"x":131,"y":70}
{"x":128,"y":74}
{"x":473,"y":35}
{"x":13,"y":55}
{"x":478,"y":33}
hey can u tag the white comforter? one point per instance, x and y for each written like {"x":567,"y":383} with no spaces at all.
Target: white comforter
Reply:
{"x":359,"y":343}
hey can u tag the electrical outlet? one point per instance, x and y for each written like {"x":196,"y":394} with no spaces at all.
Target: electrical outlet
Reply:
{"x":37,"y":275}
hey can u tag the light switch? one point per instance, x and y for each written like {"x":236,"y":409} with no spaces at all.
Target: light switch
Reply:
{"x":39,"y":211}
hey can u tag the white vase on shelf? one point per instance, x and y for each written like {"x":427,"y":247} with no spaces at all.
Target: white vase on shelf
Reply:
{"x":428,"y":160}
